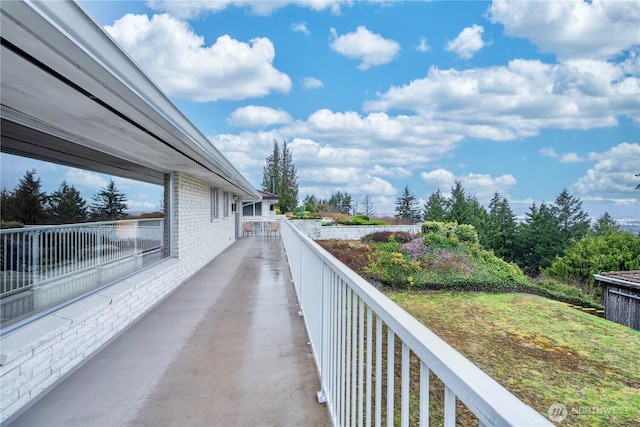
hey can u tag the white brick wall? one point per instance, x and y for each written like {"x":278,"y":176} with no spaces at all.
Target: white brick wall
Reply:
{"x":38,"y":355}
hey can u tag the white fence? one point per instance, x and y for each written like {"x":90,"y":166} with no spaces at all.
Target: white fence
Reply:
{"x":350,"y":323}
{"x":42,"y":266}
{"x":261,"y":226}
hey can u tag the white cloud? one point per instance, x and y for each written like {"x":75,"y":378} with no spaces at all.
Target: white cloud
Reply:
{"x":394,"y":172}
{"x":192,"y":9}
{"x":369,"y":48}
{"x":613,"y":175}
{"x":482,"y":186}
{"x":423,"y":46}
{"x":572,"y":29}
{"x":548,"y":152}
{"x":468,"y":42}
{"x":564,"y":157}
{"x":179,"y":62}
{"x":520,"y":99}
{"x":253,"y":116}
{"x":571,"y":158}
{"x":85,"y":181}
{"x":311,"y":83}
{"x":300,"y":27}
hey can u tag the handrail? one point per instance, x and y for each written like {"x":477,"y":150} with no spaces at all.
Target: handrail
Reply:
{"x":261,"y":225}
{"x":33,"y":255}
{"x":335,"y":301}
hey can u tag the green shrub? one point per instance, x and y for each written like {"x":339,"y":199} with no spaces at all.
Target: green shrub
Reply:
{"x":358,"y":220}
{"x":11,"y":224}
{"x":466,"y":233}
{"x":385,"y":236}
{"x":437,"y":262}
{"x":613,"y":251}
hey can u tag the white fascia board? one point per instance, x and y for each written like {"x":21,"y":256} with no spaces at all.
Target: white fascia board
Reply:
{"x":66,"y":30}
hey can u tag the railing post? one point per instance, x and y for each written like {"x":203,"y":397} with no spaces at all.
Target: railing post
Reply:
{"x":35,"y":256}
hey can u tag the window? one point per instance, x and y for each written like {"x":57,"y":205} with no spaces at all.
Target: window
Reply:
{"x":225,"y":198}
{"x":214,"y":203}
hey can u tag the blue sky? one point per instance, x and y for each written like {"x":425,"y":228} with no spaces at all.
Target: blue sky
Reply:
{"x":522,"y":98}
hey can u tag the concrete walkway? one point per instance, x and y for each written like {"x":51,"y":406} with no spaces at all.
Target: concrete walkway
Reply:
{"x":225,"y":349}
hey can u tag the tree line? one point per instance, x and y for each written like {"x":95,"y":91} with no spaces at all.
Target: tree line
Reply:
{"x":558,"y":237}
{"x":28,"y":204}
{"x":546,"y":233}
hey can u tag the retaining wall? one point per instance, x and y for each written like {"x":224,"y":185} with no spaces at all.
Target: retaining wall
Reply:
{"x":316,"y":231}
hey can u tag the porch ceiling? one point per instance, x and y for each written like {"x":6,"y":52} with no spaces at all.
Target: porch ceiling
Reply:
{"x":71,"y":96}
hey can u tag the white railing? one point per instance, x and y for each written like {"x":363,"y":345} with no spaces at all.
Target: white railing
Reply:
{"x":35,"y":255}
{"x":261,"y":225}
{"x":356,"y":334}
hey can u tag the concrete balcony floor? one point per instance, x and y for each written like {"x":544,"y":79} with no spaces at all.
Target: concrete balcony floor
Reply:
{"x":225,"y":349}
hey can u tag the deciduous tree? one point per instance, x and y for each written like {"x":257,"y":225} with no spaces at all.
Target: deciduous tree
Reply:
{"x":366,"y":205}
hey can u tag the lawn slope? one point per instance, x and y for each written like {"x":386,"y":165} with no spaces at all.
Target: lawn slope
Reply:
{"x":541,"y":350}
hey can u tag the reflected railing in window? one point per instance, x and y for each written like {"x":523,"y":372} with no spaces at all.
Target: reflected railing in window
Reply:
{"x":43,"y":266}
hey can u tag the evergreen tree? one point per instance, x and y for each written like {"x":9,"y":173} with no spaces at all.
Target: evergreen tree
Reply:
{"x":279,"y":166}
{"x":28,"y":201}
{"x":341,"y":202}
{"x":66,"y":205}
{"x":574,"y":223}
{"x":610,"y":251}
{"x":459,"y":205}
{"x":310,"y":203}
{"x":605,"y":224}
{"x":436,"y":208}
{"x":466,"y":209}
{"x":500,"y":232}
{"x":408,"y":206}
{"x":7,"y":205}
{"x":109,"y":203}
{"x":538,"y":240}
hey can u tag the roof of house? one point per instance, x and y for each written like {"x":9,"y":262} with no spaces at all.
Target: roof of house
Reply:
{"x":67,"y":84}
{"x":268,"y":196}
{"x":625,"y":278}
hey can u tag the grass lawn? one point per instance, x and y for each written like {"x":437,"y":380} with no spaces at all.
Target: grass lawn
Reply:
{"x":541,"y":350}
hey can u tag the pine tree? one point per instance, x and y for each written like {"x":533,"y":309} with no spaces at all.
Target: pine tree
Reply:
{"x":436,"y":208}
{"x":7,"y":205}
{"x":500,"y":232}
{"x":66,"y":205}
{"x":574,"y":223}
{"x":341,"y":202}
{"x":28,"y":201}
{"x":605,"y":224}
{"x":408,"y":207}
{"x":109,"y":203}
{"x":279,"y":166}
{"x":539,"y":240}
